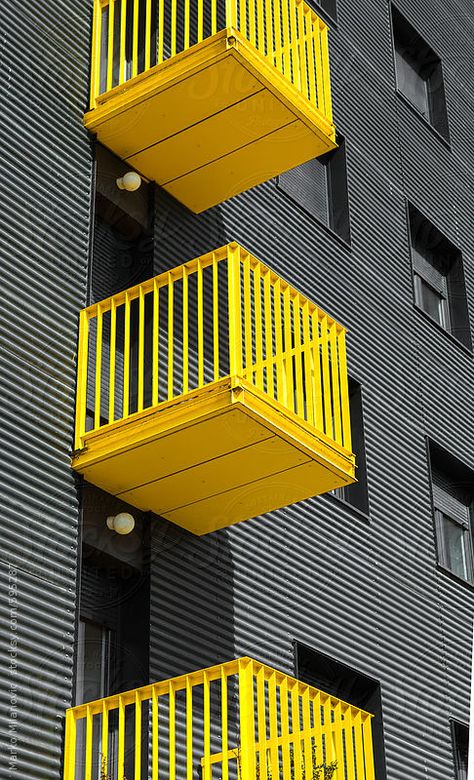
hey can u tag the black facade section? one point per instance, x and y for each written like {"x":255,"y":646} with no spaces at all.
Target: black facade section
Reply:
{"x":44,"y":208}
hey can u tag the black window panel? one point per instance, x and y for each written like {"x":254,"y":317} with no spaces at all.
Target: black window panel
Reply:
{"x":331,"y":676}
{"x":452,"y":486}
{"x":320,"y":187}
{"x":419,"y":73}
{"x":328,"y":6}
{"x":460,"y":734}
{"x":357,"y":494}
{"x":438,"y":272}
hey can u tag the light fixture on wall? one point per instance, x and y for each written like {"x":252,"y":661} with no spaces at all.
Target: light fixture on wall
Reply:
{"x":129,"y":181}
{"x":122,"y":524}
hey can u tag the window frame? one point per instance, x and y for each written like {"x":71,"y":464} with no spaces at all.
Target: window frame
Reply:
{"x":455,"y":314}
{"x":451,"y":464}
{"x":455,"y":725}
{"x":437,"y":117}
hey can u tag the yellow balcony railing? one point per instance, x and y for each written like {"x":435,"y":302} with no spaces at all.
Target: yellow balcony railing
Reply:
{"x":223,"y":314}
{"x":250,"y":372}
{"x":239,"y":720}
{"x":132,"y":36}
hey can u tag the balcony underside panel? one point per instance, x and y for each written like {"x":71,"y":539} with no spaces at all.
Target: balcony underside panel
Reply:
{"x":211,"y":122}
{"x":212,"y":460}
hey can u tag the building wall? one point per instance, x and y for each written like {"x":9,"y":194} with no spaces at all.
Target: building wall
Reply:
{"x":365,"y":591}
{"x":44,"y":212}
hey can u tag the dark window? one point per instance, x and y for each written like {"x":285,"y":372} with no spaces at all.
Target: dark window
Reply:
{"x":320,"y":187}
{"x":452,"y":490}
{"x":438,"y":277}
{"x":328,"y":6}
{"x":339,"y":680}
{"x":419,"y":73}
{"x":357,"y":494}
{"x":460,"y":747}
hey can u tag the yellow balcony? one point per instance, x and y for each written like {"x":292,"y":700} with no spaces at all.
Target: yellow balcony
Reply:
{"x":210,"y":98}
{"x":212,"y":393}
{"x":239,"y":720}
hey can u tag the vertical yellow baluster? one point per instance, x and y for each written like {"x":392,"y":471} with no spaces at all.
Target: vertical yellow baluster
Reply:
{"x":231,"y":13}
{"x":358,"y":742}
{"x":123,"y":42}
{"x":138,"y":737}
{"x":291,"y":400}
{"x":173,"y":27}
{"x":200,"y":323}
{"x":267,"y":303}
{"x":325,"y":69}
{"x":121,"y":740}
{"x":235,"y":311}
{"x":170,"y":337}
{"x":141,"y":348}
{"x":308,"y":33}
{"x":318,"y":737}
{"x":135,"y":38}
{"x":348,"y":741}
{"x":96,"y":53}
{"x":261,"y":724}
{"x":307,"y":741}
{"x":187,"y":23}
{"x":252,"y":22}
{"x":257,"y":295}
{"x":189,"y":729}
{"x":156,"y":335}
{"x":110,"y":44}
{"x":207,"y":728}
{"x":248,"y":373}
{"x":161,"y":31}
{"x":148,"y":34}
{"x":213,"y":17}
{"x":88,"y":750}
{"x":224,"y":726}
{"x":295,"y":59}
{"x":104,"y":758}
{"x":272,"y":710}
{"x":247,"y":720}
{"x":126,"y":357}
{"x":243,"y":17}
{"x":343,"y":382}
{"x":278,"y":59}
{"x":308,"y":365}
{"x":70,"y":747}
{"x":298,"y":356}
{"x":296,"y":729}
{"x":98,"y":368}
{"x":81,"y":395}
{"x":319,"y":65}
{"x":269,"y":27}
{"x":336,"y":402}
{"x":368,"y":749}
{"x":261,"y":27}
{"x":285,"y":730}
{"x":155,"y":735}
{"x":302,"y":49}
{"x":334,"y":739}
{"x":280,"y":371}
{"x":200,"y":25}
{"x":215,"y":314}
{"x":328,"y":425}
{"x":318,"y":390}
{"x":285,"y":16}
{"x":113,"y":339}
{"x":185,"y":331}
{"x":172,"y":737}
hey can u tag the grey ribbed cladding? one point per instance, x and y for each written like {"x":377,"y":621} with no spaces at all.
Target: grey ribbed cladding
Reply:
{"x":44,"y":207}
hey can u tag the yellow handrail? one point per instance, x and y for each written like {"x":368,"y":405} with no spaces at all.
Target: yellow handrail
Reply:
{"x":224,"y":314}
{"x":128,"y":38}
{"x":240,"y":719}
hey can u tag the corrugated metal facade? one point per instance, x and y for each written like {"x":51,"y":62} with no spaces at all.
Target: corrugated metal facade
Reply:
{"x":367,"y":593}
{"x":44,"y":213}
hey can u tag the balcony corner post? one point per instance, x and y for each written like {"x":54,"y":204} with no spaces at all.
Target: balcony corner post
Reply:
{"x":231,"y":14}
{"x":247,"y":720}
{"x":235,"y":310}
